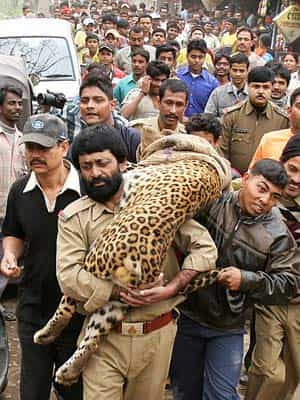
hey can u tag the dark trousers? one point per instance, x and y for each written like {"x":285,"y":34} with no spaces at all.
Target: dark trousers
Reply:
{"x":39,"y":363}
{"x":206,"y":363}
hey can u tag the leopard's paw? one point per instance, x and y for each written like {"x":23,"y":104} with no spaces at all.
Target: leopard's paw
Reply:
{"x":44,"y":336}
{"x":66,"y":376}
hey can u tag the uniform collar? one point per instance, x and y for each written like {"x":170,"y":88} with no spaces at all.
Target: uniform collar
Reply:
{"x":250,"y":109}
{"x":98,"y":210}
{"x":71,"y":183}
{"x":297,"y":201}
{"x":157,"y":128}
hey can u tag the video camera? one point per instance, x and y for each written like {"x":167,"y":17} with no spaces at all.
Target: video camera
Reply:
{"x":51,"y":99}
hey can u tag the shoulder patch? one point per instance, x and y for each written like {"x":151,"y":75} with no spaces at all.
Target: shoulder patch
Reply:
{"x":75,"y":207}
{"x":139,"y":122}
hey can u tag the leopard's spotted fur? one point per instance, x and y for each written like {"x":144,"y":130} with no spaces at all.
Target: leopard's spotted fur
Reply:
{"x":133,"y":247}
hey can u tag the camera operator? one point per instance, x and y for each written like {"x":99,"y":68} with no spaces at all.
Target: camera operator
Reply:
{"x":50,"y":102}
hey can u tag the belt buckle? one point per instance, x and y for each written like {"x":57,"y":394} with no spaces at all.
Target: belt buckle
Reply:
{"x":132,"y":328}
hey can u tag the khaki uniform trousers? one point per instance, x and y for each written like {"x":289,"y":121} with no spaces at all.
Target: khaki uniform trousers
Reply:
{"x":275,"y":368}
{"x":130,"y":367}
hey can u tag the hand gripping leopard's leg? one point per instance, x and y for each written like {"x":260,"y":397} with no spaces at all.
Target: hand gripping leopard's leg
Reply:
{"x":101,"y":322}
{"x":57,"y":323}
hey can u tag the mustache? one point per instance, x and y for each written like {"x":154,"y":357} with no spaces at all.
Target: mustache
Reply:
{"x":37,"y":160}
{"x":172,"y":116}
{"x":294,"y":183}
{"x":99,"y":179}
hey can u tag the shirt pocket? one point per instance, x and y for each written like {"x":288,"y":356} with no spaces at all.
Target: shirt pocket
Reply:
{"x":240,"y":141}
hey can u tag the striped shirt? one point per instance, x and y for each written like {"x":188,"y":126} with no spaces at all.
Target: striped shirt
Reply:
{"x":71,"y":116}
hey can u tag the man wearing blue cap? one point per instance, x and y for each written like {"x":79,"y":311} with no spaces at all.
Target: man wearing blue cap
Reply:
{"x":30,"y":230}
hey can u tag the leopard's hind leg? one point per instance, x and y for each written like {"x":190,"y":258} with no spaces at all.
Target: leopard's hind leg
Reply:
{"x":57,"y":323}
{"x":101,"y":322}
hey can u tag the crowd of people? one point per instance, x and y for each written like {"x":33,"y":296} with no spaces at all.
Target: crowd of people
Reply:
{"x":210,"y":75}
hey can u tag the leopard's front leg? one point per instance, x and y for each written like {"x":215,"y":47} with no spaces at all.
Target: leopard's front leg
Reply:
{"x":57,"y":323}
{"x":101,"y":322}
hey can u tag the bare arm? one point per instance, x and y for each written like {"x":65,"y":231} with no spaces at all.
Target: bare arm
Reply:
{"x":132,"y":100}
{"x":129,"y":107}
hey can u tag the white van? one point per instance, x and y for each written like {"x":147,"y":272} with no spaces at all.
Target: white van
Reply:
{"x":48,"y":50}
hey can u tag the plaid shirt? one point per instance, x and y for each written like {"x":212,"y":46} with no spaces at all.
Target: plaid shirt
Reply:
{"x":71,"y":116}
{"x":12,"y":166}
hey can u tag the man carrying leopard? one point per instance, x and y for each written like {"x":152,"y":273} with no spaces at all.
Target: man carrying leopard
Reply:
{"x":133,"y":359}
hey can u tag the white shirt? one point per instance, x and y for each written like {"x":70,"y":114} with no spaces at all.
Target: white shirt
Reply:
{"x":294,"y":82}
{"x":71,"y":183}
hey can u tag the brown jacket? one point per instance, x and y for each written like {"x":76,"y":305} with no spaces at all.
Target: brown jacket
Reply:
{"x":243,"y":129}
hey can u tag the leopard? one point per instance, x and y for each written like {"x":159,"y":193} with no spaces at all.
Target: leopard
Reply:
{"x":156,"y":201}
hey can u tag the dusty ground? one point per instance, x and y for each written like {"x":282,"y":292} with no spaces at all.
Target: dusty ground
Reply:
{"x":12,"y":390}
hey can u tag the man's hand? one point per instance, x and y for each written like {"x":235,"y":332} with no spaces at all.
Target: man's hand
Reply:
{"x":230,"y":277}
{"x":146,"y":293}
{"x":139,"y":298}
{"x":9,"y":266}
{"x":145,"y":84}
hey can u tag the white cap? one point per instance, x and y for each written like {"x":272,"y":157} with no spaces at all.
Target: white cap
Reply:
{"x":155,"y":15}
{"x":88,"y":21}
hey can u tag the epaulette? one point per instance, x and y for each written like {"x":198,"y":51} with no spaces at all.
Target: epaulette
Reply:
{"x":233,"y":108}
{"x":72,"y":209}
{"x":138,"y":122}
{"x":281,"y":111}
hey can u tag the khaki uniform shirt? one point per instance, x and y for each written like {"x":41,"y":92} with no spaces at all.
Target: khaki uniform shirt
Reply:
{"x":243,"y":128}
{"x":153,"y":122}
{"x":147,"y":139}
{"x":83,"y":221}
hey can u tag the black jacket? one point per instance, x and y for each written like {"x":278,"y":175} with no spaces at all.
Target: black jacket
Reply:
{"x":265,"y":252}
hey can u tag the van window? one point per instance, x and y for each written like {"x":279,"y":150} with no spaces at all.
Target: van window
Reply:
{"x":49,"y":57}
